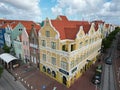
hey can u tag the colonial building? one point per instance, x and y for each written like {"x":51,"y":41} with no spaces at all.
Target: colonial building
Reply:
{"x":18,"y":47}
{"x":2,"y":38}
{"x":34,"y":49}
{"x":101,"y":25}
{"x":9,"y":29}
{"x":68,"y":48}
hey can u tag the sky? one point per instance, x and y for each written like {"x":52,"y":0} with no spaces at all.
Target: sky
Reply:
{"x":38,"y":10}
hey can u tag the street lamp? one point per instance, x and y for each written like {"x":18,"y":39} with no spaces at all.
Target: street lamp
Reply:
{"x":96,"y":83}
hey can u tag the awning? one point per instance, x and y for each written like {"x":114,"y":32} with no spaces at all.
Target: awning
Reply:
{"x":7,"y":57}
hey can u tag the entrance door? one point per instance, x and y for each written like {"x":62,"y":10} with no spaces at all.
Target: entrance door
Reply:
{"x":64,"y":80}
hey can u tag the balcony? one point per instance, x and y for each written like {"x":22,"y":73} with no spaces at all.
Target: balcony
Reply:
{"x":68,"y":54}
{"x":33,"y":45}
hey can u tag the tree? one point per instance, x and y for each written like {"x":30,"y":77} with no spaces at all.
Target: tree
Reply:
{"x":108,"y":40}
{"x":6,"y":49}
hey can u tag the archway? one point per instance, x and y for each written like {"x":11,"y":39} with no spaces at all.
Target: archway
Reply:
{"x":85,"y":67}
{"x":48,"y":71}
{"x":64,"y":80}
{"x":44,"y":68}
{"x":53,"y":74}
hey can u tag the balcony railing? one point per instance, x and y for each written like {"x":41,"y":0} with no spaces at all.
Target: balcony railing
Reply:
{"x":33,"y":45}
{"x":68,"y":54}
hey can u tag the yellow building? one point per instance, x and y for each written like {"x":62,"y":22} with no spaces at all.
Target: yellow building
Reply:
{"x":68,"y":48}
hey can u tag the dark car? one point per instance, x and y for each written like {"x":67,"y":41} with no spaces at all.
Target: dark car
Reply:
{"x":96,"y":79}
{"x":109,"y":61}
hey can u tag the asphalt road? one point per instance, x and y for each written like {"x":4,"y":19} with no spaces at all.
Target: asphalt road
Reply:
{"x":7,"y":82}
{"x":109,"y":79}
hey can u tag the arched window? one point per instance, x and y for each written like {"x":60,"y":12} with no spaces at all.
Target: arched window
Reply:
{"x":48,"y":71}
{"x":53,"y":74}
{"x":44,"y":68}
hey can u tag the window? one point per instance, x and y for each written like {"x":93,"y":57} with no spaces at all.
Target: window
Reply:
{"x":23,"y":42}
{"x":72,"y":47}
{"x":80,"y":45}
{"x":63,"y":48}
{"x":43,"y":43}
{"x":90,"y":41}
{"x":53,"y":45}
{"x":64,"y":65}
{"x":34,"y":51}
{"x":24,"y":51}
{"x":47,"y":33}
{"x":26,"y":43}
{"x":33,"y":40}
{"x":72,"y":64}
{"x":20,"y":29}
{"x":44,"y":57}
{"x":86,"y":42}
{"x":77,"y":61}
{"x":53,"y":61}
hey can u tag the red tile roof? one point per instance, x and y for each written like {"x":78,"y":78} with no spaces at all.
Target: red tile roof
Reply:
{"x":69,"y":29}
{"x":13,"y":25}
{"x":28,"y":26}
{"x":4,"y":25}
{"x":98,"y":22}
{"x":107,"y":25}
{"x":96,"y":26}
{"x":63,"y":17}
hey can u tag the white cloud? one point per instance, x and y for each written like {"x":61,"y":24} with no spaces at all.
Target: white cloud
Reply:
{"x":89,"y":9}
{"x":56,"y":10}
{"x":19,"y":9}
{"x":76,"y":6}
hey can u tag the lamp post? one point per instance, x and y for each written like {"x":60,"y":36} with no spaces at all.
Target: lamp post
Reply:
{"x":96,"y":83}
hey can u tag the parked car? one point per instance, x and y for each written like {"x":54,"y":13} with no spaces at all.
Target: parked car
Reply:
{"x":109,"y":61}
{"x":96,"y":79}
{"x":99,"y":69}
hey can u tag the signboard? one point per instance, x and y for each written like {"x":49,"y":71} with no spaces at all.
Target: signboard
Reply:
{"x":74,"y":69}
{"x":63,"y":71}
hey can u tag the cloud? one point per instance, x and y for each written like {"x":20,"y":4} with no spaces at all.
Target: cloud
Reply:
{"x":89,"y":9}
{"x":56,"y":10}
{"x":4,"y":9}
{"x":18,"y":9}
{"x":77,"y":6}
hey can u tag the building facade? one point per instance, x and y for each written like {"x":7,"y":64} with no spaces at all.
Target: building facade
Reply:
{"x":2,"y":39}
{"x":68,"y":48}
{"x":18,"y":47}
{"x":34,"y":49}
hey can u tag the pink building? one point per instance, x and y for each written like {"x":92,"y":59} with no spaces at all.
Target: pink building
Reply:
{"x":25,"y":40}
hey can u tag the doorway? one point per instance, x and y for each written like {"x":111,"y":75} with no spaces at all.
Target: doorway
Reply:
{"x":64,"y":80}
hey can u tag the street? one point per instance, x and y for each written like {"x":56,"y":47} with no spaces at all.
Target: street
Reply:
{"x":109,"y":72}
{"x":7,"y":82}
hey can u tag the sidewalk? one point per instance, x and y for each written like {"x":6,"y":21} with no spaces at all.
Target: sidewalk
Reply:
{"x":33,"y":79}
{"x":7,"y":81}
{"x":117,"y":69}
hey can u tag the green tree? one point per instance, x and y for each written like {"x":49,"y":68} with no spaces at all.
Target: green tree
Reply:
{"x":108,"y":40}
{"x":6,"y":49}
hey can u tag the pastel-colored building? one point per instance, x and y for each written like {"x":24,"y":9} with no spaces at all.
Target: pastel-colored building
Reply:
{"x":26,"y":33}
{"x":18,"y":47}
{"x":2,"y":38}
{"x":8,"y":33}
{"x":100,"y":24}
{"x":68,"y":48}
{"x":34,"y":45}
